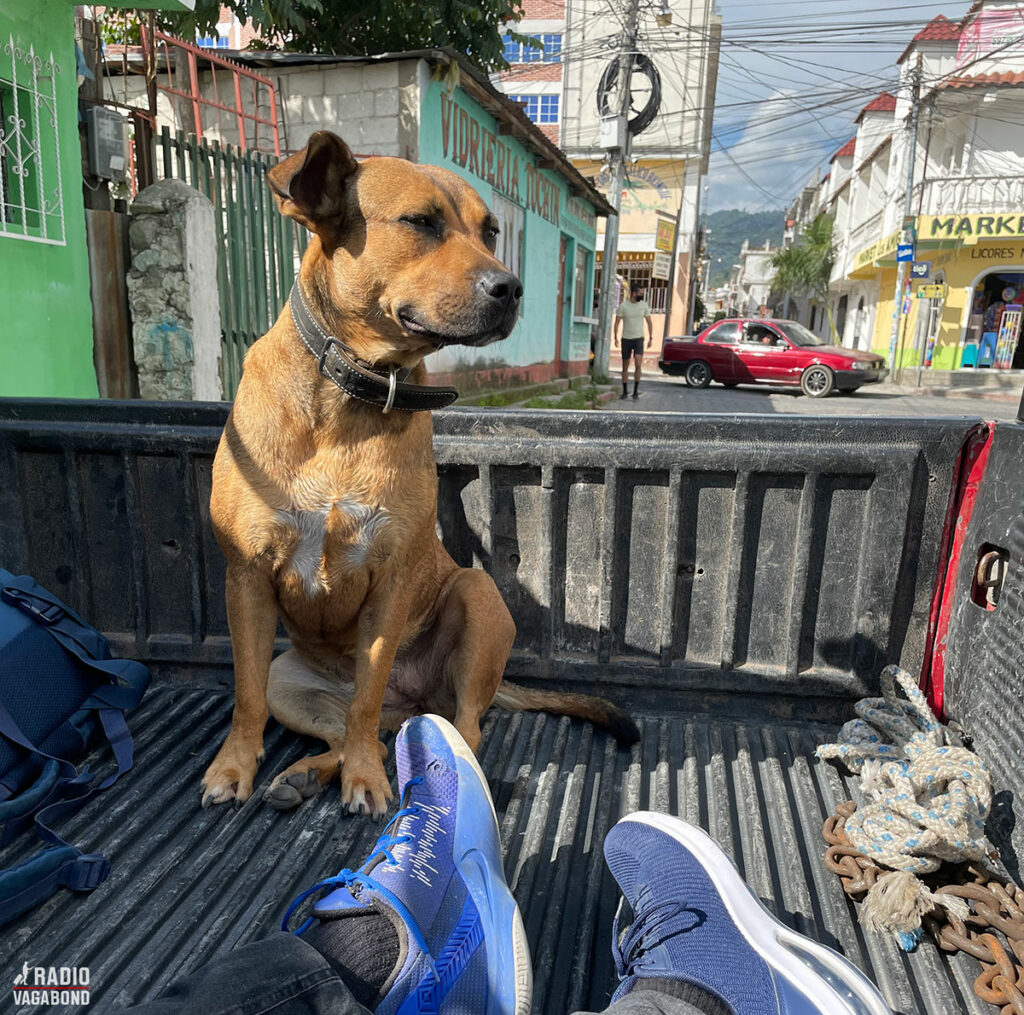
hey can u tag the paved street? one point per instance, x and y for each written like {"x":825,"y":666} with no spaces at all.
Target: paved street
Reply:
{"x":663,"y":394}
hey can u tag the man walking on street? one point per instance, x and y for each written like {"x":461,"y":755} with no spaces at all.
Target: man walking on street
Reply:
{"x":629,"y":322}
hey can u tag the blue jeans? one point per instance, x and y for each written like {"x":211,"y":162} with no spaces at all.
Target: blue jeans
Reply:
{"x":285,"y":976}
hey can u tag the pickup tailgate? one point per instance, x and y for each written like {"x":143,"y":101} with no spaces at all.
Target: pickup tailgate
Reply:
{"x":735,"y":582}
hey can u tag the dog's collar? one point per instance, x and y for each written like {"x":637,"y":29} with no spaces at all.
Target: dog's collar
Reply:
{"x":339,"y":364}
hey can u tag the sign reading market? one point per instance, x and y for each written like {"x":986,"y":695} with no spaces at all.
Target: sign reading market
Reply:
{"x":971,"y":228}
{"x":476,"y":148}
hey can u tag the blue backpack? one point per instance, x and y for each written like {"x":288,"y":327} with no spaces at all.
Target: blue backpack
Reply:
{"x":58,"y":687}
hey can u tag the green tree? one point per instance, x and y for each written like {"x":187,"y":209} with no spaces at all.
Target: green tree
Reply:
{"x":804,"y":269}
{"x":363,"y":27}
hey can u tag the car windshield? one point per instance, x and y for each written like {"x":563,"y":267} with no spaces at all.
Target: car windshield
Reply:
{"x":797,"y":333}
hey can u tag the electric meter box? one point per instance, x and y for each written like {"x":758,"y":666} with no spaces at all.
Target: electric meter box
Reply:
{"x":613,"y":131}
{"x":106,"y":142}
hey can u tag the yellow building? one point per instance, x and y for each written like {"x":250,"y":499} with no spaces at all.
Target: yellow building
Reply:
{"x":976,"y":271}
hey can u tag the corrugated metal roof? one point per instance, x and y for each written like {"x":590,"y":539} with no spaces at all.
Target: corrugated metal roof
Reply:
{"x":189,"y":884}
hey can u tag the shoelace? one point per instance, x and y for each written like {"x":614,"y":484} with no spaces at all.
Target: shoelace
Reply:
{"x":647,"y":931}
{"x":346,"y":878}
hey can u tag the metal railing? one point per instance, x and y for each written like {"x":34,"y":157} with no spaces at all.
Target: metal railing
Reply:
{"x":258,"y":249}
{"x":867,"y":231}
{"x":969,"y":195}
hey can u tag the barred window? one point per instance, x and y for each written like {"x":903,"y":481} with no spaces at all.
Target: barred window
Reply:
{"x":31,"y":200}
{"x":637,"y":272}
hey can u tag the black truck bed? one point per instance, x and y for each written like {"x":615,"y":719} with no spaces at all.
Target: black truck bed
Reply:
{"x":735,"y":582}
{"x":188,"y":883}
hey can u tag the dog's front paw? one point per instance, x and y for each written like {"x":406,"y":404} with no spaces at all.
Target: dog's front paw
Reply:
{"x":231,"y":774}
{"x":364,"y":786}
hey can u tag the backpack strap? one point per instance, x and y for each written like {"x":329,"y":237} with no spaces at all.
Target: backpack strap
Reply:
{"x":62,"y":789}
{"x":78,"y":637}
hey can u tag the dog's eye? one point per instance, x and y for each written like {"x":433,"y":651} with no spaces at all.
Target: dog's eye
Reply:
{"x":427,"y":223}
{"x":491,"y":233}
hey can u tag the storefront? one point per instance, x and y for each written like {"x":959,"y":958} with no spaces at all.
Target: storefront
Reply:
{"x":965,"y":309}
{"x":650,"y":207}
{"x":548,"y":238}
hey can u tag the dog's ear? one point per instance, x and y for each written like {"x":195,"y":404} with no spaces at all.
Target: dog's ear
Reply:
{"x":310,"y":185}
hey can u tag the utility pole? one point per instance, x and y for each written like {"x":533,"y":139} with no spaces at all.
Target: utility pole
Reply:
{"x":908,"y":207}
{"x":617,"y":157}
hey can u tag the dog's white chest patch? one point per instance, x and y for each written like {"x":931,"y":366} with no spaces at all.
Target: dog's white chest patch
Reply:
{"x":307,"y":559}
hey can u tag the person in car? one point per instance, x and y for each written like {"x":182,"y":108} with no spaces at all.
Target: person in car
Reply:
{"x":428,"y":924}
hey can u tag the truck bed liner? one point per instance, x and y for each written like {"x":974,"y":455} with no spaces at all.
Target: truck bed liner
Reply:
{"x":188,"y":883}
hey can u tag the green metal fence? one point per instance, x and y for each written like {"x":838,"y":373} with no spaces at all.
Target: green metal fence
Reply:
{"x":257,"y":248}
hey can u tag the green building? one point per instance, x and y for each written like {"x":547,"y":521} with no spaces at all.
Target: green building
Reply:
{"x":46,"y":336}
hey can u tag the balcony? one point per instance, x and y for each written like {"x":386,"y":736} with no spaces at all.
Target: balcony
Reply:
{"x":969,"y":195}
{"x":867,"y":231}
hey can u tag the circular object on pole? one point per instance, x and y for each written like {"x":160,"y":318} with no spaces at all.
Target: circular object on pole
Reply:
{"x":641,"y":64}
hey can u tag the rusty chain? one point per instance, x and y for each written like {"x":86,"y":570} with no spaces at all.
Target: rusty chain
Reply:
{"x":997,"y":908}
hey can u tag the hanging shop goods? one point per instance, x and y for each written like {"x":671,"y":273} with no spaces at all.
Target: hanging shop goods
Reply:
{"x":641,"y":64}
{"x":993,"y":930}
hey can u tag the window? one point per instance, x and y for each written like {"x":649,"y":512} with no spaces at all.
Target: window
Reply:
{"x":545,"y":49}
{"x":637,"y":272}
{"x":552,"y":48}
{"x":758,"y":334}
{"x":539,"y":108}
{"x":726,"y":333}
{"x":212,"y":41}
{"x":509,"y":249}
{"x":581,"y":307}
{"x":31,"y":198}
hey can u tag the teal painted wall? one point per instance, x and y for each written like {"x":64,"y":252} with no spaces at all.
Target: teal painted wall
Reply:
{"x":46,"y":340}
{"x":456,"y":133}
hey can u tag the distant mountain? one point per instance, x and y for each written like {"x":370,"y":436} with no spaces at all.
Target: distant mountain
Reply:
{"x":730,"y":228}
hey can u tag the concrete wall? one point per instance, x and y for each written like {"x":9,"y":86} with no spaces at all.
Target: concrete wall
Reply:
{"x":46,"y":338}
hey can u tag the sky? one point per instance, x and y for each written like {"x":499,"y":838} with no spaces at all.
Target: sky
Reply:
{"x":792,"y":78}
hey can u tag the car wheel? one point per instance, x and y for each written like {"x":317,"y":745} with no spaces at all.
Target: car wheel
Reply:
{"x":698,"y":374}
{"x":817,"y":381}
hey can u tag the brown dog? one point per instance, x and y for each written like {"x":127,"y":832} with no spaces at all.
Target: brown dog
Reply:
{"x":325,"y":503}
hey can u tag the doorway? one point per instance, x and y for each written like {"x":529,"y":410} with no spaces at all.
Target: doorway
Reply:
{"x":994,"y":322}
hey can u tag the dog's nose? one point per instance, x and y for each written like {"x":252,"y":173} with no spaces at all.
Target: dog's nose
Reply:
{"x":502,"y":286}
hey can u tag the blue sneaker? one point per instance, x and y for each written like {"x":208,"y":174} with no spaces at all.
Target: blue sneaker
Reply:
{"x":695,"y":920}
{"x":437,"y":869}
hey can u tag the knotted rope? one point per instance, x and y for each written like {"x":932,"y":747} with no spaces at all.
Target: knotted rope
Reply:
{"x":928,"y":803}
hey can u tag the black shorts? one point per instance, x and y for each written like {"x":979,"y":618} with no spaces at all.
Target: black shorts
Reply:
{"x":632,"y":347}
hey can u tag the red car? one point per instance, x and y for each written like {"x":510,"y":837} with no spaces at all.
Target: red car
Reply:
{"x":769,"y":351}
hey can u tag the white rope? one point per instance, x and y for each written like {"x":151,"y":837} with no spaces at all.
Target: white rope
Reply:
{"x":928,"y":802}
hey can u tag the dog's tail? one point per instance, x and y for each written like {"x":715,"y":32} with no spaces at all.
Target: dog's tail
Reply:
{"x":583,"y":706}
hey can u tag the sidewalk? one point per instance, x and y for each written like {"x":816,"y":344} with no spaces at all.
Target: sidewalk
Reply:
{"x":988,"y":384}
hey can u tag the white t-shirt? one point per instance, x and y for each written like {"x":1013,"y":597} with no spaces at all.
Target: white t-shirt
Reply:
{"x":633,"y":315}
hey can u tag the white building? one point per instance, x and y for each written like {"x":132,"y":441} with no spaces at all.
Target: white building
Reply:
{"x":559,"y":84}
{"x":966,"y":200}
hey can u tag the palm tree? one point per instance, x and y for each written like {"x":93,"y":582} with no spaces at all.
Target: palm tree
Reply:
{"x":806,"y":267}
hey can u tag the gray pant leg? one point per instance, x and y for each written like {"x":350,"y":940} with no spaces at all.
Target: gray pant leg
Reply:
{"x":649,"y":1002}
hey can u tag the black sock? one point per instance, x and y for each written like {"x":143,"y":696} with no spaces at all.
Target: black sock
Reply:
{"x":362,"y":948}
{"x":703,"y":1000}
{"x":636,"y":387}
{"x":624,"y":387}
